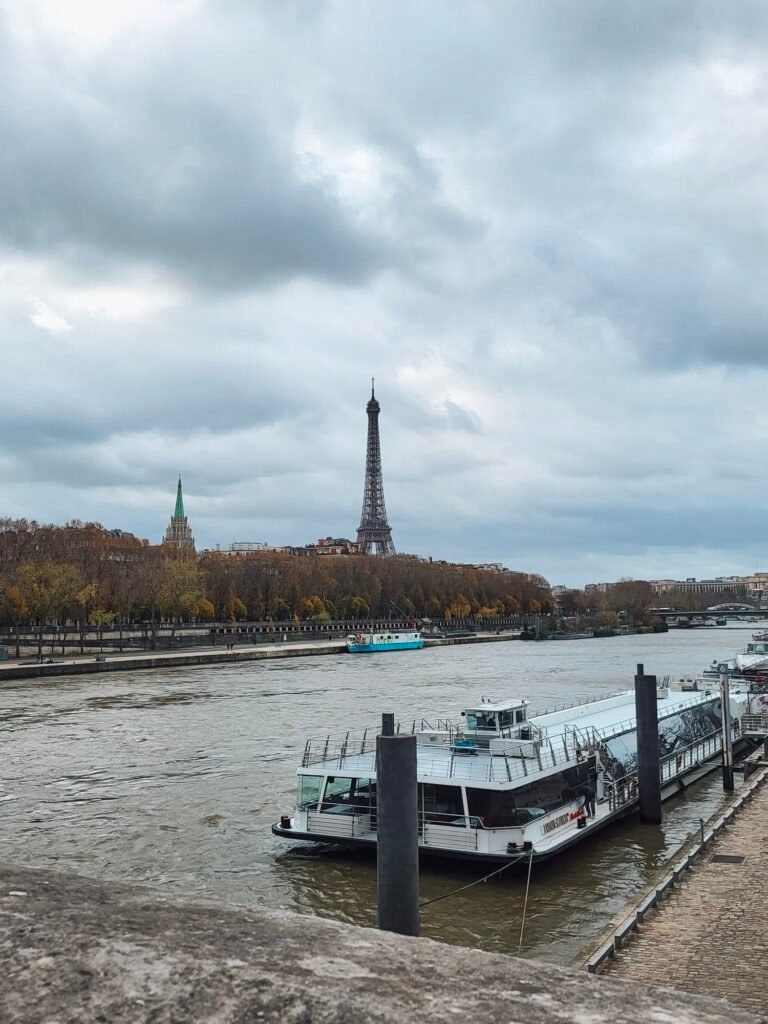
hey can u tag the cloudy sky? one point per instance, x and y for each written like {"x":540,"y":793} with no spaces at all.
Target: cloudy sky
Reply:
{"x":540,"y":225}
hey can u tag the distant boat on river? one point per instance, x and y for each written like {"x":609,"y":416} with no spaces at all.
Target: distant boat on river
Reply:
{"x":570,"y":636}
{"x":369,"y":643}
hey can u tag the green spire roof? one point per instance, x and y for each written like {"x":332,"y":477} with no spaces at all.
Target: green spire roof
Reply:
{"x":179,"y":513}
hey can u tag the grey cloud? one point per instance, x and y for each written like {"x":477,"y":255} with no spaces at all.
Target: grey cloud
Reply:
{"x":459,"y":418}
{"x":155,"y":173}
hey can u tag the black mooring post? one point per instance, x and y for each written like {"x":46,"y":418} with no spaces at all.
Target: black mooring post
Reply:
{"x":725,"y":704}
{"x":648,"y":775}
{"x":397,"y":829}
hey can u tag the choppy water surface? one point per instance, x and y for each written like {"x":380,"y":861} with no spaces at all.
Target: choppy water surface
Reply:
{"x":172,"y":778}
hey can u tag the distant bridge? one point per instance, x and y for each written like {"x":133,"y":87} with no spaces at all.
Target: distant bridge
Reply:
{"x":720,"y":611}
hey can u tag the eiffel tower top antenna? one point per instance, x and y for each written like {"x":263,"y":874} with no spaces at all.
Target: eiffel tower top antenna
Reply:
{"x":374,"y":533}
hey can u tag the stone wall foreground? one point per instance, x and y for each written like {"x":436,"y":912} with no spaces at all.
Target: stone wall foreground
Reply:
{"x":77,"y":951}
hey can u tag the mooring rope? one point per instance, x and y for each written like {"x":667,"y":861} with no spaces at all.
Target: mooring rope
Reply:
{"x":525,"y":904}
{"x":477,"y":881}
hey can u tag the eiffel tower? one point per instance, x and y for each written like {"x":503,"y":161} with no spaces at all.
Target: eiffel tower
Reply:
{"x":374,"y":533}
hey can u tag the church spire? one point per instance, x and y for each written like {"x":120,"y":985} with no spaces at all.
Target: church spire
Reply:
{"x":178,"y":533}
{"x":179,"y":513}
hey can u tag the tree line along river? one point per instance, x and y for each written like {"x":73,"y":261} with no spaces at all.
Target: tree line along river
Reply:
{"x":172,"y":778}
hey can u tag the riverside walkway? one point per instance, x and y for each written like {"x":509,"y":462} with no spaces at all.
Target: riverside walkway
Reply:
{"x":30,"y":668}
{"x":708,"y":935}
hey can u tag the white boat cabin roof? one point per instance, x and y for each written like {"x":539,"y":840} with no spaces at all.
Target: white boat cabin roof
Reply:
{"x":495,"y":706}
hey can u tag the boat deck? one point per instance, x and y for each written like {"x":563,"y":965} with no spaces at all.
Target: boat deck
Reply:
{"x":618,"y":718}
{"x":563,"y":733}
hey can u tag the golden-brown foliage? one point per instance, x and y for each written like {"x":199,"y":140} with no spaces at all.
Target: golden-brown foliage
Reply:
{"x":80,"y":571}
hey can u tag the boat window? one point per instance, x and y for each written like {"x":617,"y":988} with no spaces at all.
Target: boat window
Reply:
{"x":309,"y":789}
{"x":482,"y":721}
{"x":520,"y":715}
{"x":345,"y":794}
{"x":441,"y":804}
{"x":505,"y":718}
{"x":471,"y":721}
{"x":524,"y":803}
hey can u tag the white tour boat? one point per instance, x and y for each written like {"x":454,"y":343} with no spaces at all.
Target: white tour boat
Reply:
{"x":368,"y":643}
{"x":506,"y":781}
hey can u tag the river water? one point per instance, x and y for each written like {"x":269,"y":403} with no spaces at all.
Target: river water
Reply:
{"x":172,"y":778}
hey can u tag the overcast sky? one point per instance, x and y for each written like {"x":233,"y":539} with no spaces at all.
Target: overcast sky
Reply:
{"x":541,"y":225}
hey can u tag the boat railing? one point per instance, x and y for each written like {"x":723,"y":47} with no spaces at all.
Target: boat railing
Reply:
{"x":754,"y":724}
{"x":682,"y":759}
{"x":577,"y":703}
{"x":443,"y":725}
{"x":440,"y":828}
{"x":620,"y":790}
{"x":464,"y":762}
{"x":336,"y":748}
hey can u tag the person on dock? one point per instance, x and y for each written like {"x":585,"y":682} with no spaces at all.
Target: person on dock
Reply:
{"x":588,"y":796}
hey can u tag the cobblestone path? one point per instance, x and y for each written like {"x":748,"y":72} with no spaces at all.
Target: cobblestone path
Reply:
{"x":710,"y":935}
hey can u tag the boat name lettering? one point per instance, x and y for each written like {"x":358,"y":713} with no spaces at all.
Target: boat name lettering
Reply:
{"x":550,"y":826}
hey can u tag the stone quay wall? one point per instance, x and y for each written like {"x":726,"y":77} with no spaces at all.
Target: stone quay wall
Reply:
{"x":95,"y":664}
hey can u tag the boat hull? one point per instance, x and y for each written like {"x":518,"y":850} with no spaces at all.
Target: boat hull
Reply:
{"x":431,"y":852}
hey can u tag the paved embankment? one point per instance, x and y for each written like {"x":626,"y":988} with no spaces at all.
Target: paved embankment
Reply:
{"x":78,"y":951}
{"x":708,"y":934}
{"x":90,"y":664}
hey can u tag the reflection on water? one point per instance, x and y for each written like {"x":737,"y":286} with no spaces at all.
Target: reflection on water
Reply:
{"x":173,"y":777}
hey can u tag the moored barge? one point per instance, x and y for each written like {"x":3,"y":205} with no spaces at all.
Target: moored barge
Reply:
{"x":504,"y":781}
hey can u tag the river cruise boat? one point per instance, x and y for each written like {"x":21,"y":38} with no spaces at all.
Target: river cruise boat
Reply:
{"x":753,"y":660}
{"x":504,"y":781}
{"x":369,"y":643}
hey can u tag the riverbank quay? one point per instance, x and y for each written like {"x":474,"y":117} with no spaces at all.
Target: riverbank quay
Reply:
{"x":81,"y":951}
{"x":702,"y":928}
{"x":232,"y":654}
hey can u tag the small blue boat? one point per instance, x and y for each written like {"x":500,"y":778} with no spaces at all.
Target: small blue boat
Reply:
{"x":369,"y":643}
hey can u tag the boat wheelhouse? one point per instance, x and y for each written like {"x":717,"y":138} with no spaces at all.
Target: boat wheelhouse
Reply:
{"x":754,"y":659}
{"x":504,"y":780}
{"x":369,"y":643}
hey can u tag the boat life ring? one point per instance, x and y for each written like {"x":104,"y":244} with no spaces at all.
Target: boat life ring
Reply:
{"x":763,"y":702}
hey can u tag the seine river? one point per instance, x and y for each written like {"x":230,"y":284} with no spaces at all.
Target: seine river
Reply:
{"x":171,"y":778}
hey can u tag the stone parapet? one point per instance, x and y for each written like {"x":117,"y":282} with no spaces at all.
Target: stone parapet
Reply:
{"x":76,"y":951}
